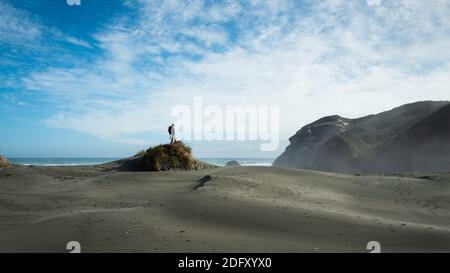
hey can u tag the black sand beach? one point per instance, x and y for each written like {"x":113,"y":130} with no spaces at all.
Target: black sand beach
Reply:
{"x":235,"y":209}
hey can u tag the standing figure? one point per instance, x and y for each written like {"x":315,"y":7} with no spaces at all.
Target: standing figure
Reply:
{"x":172,"y":133}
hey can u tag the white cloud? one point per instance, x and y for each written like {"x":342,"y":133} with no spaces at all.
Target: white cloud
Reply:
{"x":207,"y":36}
{"x":78,"y":42}
{"x":373,"y":2}
{"x":16,"y":26}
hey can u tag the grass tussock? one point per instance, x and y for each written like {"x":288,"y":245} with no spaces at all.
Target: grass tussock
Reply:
{"x":140,"y":153}
{"x":169,"y":157}
{"x":4,"y":162}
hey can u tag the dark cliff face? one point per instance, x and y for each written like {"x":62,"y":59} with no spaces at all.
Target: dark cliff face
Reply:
{"x":304,"y":144}
{"x":422,"y":147}
{"x":408,"y":138}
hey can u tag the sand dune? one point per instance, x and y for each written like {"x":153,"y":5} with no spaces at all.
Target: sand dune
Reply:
{"x":235,"y":209}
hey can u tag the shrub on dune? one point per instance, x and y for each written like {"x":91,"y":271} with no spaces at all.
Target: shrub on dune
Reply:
{"x":170,"y":156}
{"x":4,"y":162}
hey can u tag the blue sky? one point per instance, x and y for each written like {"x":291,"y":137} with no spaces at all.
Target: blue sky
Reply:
{"x":100,"y":79}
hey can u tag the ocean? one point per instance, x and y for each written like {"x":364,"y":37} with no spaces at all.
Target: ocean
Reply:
{"x":101,"y":160}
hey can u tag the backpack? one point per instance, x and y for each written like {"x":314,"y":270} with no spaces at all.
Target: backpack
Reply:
{"x":169,"y":130}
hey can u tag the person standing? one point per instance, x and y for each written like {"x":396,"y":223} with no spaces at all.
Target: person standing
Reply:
{"x":172,"y":133}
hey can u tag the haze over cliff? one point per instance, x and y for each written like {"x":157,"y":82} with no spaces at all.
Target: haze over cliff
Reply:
{"x":411,"y":138}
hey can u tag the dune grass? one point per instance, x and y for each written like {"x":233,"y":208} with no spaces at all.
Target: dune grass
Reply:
{"x":4,"y":162}
{"x":169,"y":156}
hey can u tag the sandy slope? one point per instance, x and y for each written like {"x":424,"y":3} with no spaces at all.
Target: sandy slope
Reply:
{"x":240,"y":209}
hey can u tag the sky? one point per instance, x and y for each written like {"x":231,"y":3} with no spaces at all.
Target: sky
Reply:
{"x":100,"y":79}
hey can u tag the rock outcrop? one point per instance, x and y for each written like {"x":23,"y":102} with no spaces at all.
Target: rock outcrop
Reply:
{"x":232,"y":163}
{"x":304,"y":144}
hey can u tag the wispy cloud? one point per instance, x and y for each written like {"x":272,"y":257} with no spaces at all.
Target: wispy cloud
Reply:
{"x":24,"y":32}
{"x":17,"y":27}
{"x":78,"y":42}
{"x":373,"y":2}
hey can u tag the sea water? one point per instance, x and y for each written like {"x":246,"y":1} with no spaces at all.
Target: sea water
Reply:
{"x":61,"y":161}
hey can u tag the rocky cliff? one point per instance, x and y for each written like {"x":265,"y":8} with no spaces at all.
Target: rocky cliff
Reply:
{"x":412,"y":137}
